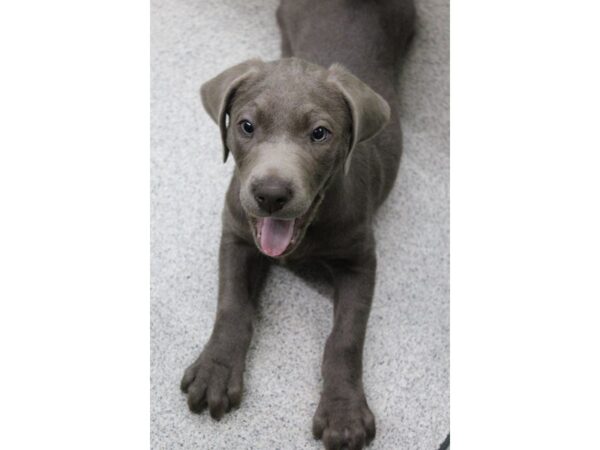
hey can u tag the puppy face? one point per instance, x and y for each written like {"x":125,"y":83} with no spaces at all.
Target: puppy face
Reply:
{"x":290,"y":126}
{"x":288,"y":132}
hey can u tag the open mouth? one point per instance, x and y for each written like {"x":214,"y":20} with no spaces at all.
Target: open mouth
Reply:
{"x":275,"y":236}
{"x":278,"y":237}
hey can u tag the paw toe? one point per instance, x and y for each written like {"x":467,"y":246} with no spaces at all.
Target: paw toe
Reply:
{"x":196,"y":397}
{"x":188,"y":378}
{"x":356,"y":439}
{"x":234,"y":393}
{"x":369,"y":424}
{"x":319,"y":424}
{"x":332,"y":439}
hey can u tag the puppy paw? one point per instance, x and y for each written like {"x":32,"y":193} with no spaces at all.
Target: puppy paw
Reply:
{"x":344,"y":421}
{"x":214,"y":381}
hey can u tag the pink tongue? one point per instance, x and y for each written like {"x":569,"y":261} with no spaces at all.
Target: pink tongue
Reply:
{"x":275,"y":235}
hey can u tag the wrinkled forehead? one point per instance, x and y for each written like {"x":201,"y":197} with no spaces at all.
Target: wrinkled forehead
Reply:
{"x":294,"y":99}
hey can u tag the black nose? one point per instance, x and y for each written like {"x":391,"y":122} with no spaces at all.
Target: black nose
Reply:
{"x":272,"y":194}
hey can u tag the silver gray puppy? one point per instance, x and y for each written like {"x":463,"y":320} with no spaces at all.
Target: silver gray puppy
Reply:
{"x":316,"y":141}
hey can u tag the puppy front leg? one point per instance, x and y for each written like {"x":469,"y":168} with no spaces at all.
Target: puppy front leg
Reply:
{"x":343,"y":418}
{"x":215,"y":378}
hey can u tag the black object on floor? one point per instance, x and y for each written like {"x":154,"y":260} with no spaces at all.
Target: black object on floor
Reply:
{"x":446,"y":444}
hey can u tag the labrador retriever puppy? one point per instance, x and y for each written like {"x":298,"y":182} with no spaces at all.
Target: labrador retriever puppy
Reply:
{"x":316,"y":141}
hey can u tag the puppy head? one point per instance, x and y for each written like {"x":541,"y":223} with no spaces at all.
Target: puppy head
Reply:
{"x":290,"y":125}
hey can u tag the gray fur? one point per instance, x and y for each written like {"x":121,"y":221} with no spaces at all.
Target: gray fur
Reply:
{"x":339,"y":71}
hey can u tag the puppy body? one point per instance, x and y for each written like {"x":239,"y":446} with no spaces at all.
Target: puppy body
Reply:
{"x":326,"y":190}
{"x":368,"y":37}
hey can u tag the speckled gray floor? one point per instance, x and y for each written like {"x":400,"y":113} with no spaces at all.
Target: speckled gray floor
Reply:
{"x":407,"y":348}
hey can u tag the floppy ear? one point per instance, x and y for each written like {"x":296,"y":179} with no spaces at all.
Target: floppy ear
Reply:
{"x":217,"y":94}
{"x":369,"y":111}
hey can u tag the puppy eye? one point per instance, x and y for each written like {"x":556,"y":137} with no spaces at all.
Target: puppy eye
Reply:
{"x":247,"y":127}
{"x":319,"y":134}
